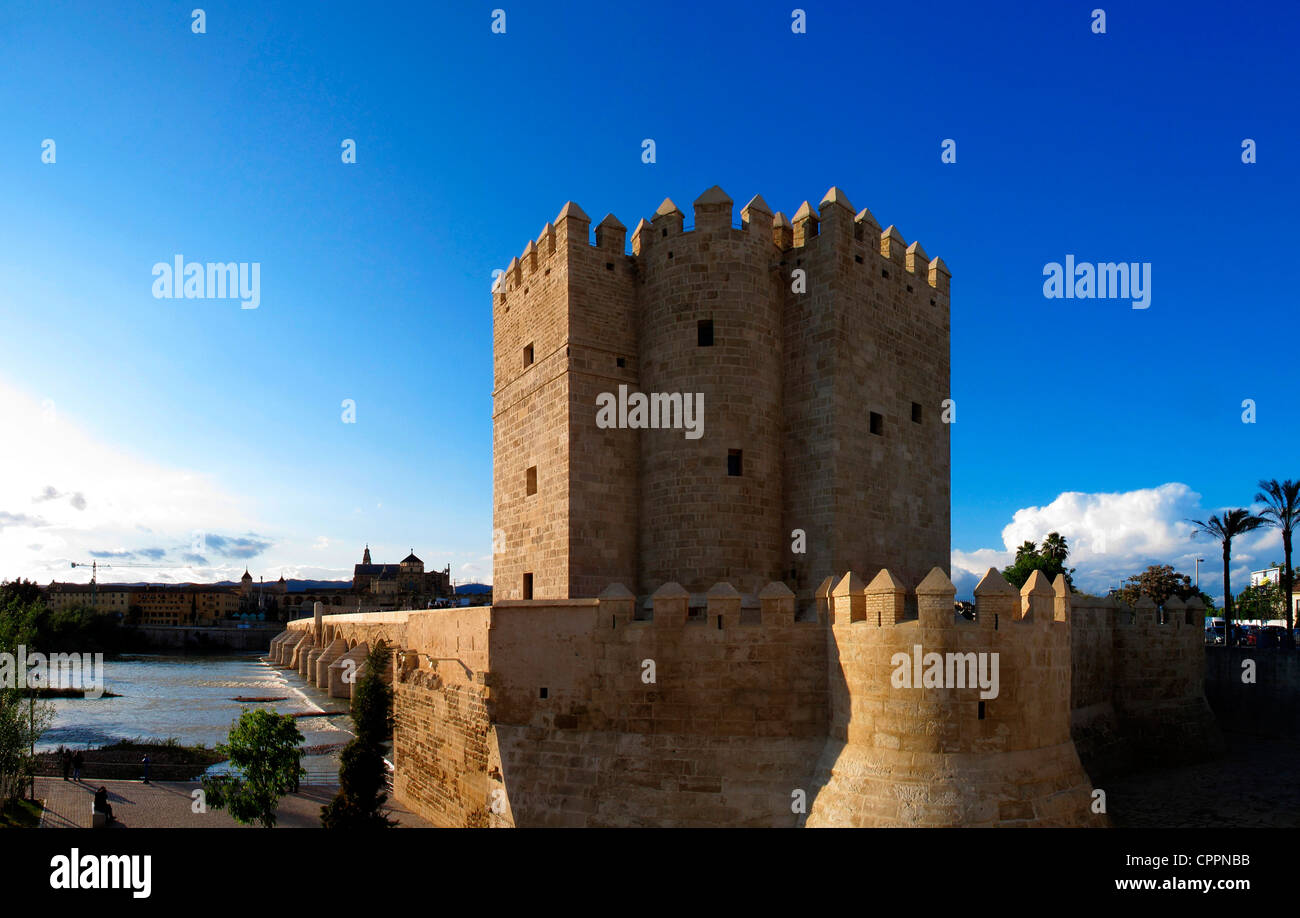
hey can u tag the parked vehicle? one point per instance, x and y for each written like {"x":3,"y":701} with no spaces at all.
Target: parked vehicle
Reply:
{"x":1214,"y":633}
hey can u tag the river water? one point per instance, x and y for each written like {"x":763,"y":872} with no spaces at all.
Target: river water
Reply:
{"x":192,"y":698}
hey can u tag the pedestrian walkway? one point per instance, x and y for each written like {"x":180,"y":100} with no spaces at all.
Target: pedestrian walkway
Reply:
{"x":169,"y":805}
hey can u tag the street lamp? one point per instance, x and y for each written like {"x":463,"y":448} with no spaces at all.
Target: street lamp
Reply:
{"x":1198,"y":573}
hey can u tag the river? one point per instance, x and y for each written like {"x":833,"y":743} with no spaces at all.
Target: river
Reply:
{"x":192,"y":698}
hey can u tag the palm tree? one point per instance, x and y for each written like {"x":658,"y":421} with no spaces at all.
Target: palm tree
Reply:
{"x":1026,"y":548}
{"x":1225,"y":528}
{"x":1055,"y":547}
{"x":1281,"y":502}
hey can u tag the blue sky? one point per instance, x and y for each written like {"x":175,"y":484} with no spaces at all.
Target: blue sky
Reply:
{"x":179,"y":415}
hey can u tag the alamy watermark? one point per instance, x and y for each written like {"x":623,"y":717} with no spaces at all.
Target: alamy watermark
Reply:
{"x":946,"y":670}
{"x":212,"y":280}
{"x":656,"y":410}
{"x":1105,"y":281}
{"x":25,"y":670}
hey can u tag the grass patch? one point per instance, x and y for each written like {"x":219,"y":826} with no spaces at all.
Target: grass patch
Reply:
{"x":21,"y":814}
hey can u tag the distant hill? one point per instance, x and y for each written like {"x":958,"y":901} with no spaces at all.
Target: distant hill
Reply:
{"x":470,"y":588}
{"x":292,"y":586}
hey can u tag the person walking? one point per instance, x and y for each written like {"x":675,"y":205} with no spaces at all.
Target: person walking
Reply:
{"x":77,"y":761}
{"x":65,"y":759}
{"x":145,"y":762}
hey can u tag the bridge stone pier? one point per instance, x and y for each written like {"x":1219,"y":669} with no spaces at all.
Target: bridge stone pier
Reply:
{"x":329,"y":651}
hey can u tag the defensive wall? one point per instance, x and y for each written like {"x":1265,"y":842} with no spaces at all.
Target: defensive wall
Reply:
{"x":614,"y":712}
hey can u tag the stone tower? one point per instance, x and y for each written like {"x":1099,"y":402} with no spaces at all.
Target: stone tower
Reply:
{"x":820,"y":350}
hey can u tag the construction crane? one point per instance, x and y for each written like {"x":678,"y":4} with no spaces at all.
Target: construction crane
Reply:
{"x":94,"y":574}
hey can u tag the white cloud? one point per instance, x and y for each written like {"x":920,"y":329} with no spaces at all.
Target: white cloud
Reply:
{"x":96,"y":499}
{"x":1113,"y":536}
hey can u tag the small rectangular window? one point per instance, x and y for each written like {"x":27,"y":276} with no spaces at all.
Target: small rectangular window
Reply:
{"x":528,"y":586}
{"x":877,"y":424}
{"x":542,"y":693}
{"x":528,"y":354}
{"x":734,"y":467}
{"x":916,"y":413}
{"x":622,"y":362}
{"x":530,"y":478}
{"x":705,"y":333}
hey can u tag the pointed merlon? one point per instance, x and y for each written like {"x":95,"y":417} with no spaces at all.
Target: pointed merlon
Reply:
{"x":775,"y":590}
{"x":824,"y":590}
{"x":572,"y":211}
{"x":886,"y":582}
{"x":616,"y":591}
{"x":994,"y":584}
{"x":1060,"y":586}
{"x":611,"y":222}
{"x":722,"y":590}
{"x":666,"y":208}
{"x":1037,"y":585}
{"x":805,"y":212}
{"x":936,"y":264}
{"x":758,"y":205}
{"x":935,"y":583}
{"x":1145,"y":602}
{"x":849,"y":584}
{"x":714,"y":195}
{"x":1174,"y":604}
{"x":866,"y":217}
{"x":834,"y":196}
{"x":547,"y":230}
{"x":893,"y":235}
{"x":780,"y":220}
{"x":641,"y":236}
{"x":914,"y":251}
{"x":671,"y":590}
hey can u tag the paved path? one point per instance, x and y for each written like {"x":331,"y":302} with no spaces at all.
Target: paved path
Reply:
{"x":1257,"y":784}
{"x":167,"y":804}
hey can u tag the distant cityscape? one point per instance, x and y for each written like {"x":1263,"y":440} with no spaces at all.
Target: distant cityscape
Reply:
{"x":373,"y":588}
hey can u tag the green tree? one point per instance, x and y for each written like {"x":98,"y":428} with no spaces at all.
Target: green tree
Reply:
{"x":1054,"y":547}
{"x":1160,"y":581}
{"x":1225,"y":528}
{"x":362,"y":771}
{"x":22,"y":719}
{"x":1281,"y":500}
{"x":1263,"y":601}
{"x":372,"y":699}
{"x":263,"y":748}
{"x":1050,"y":560}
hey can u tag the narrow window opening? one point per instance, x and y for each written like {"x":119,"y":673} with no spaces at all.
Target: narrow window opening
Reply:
{"x":981,"y":710}
{"x":909,"y":288}
{"x":528,"y":586}
{"x":528,"y":354}
{"x":734,"y":462}
{"x":542,"y":692}
{"x":609,"y":266}
{"x":916,"y":413}
{"x":884,"y":272}
{"x":877,"y":424}
{"x":704,"y":333}
{"x":622,"y":362}
{"x":858,"y":259}
{"x":530,"y":480}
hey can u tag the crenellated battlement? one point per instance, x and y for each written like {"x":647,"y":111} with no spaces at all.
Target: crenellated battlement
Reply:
{"x":834,"y":218}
